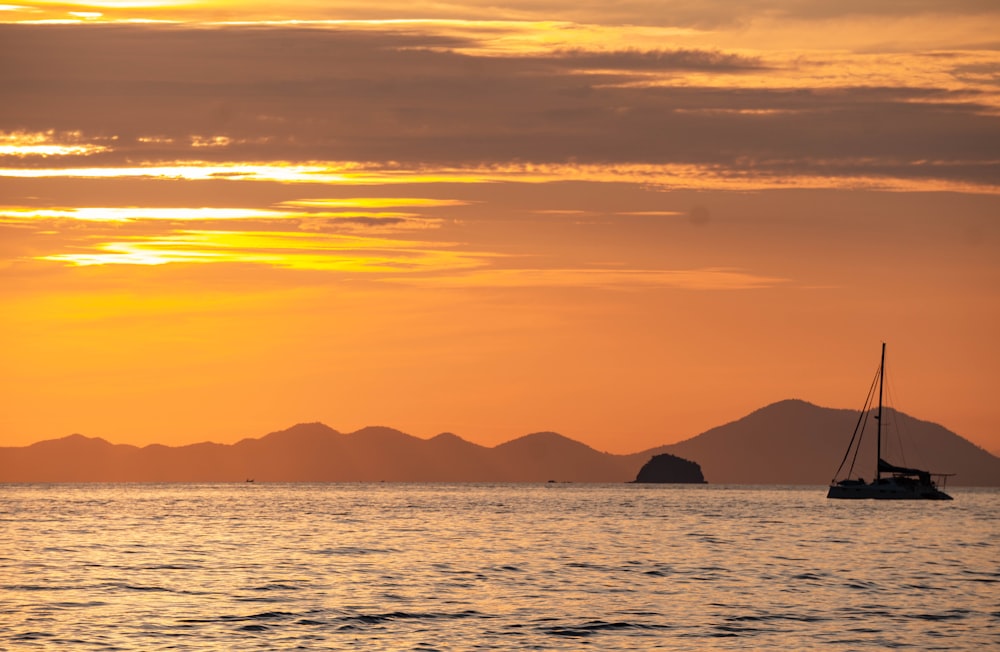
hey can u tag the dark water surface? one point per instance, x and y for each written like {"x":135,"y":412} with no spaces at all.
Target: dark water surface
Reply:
{"x":473,"y":567}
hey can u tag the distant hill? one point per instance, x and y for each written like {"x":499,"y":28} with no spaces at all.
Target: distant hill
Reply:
{"x":313,"y":452}
{"x":791,"y":442}
{"x":795,"y":442}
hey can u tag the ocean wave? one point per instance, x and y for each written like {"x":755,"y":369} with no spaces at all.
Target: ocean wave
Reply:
{"x":592,"y":627}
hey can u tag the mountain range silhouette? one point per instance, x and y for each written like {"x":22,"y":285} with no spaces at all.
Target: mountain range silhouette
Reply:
{"x":789,"y":442}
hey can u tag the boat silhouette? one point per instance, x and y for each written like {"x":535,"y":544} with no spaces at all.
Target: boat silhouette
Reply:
{"x":891,"y":482}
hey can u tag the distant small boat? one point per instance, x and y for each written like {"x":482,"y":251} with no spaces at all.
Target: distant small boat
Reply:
{"x":900,"y":483}
{"x":249,"y":479}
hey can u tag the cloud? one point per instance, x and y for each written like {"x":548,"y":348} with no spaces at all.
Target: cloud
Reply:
{"x":317,"y":251}
{"x":45,"y":144}
{"x":160,"y":96}
{"x":702,"y":14}
{"x":649,"y":60}
{"x":610,"y":279}
{"x":747,"y":175}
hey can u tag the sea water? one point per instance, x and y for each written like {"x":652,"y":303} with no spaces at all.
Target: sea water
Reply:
{"x":493,"y":567}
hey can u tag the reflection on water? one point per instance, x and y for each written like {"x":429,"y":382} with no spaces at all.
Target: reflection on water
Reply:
{"x":456,"y":567}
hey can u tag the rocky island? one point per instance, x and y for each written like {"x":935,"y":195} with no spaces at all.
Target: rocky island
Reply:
{"x":667,"y":468}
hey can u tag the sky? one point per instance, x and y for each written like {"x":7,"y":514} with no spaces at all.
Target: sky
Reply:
{"x":626,"y":222}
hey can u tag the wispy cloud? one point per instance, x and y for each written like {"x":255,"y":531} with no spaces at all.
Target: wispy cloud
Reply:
{"x":626,"y":279}
{"x":345,"y":244}
{"x":282,"y":249}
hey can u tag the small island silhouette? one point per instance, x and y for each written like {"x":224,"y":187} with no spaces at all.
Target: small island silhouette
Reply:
{"x":667,"y":468}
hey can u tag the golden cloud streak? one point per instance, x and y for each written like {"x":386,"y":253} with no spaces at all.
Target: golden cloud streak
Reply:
{"x":829,"y":71}
{"x":374,"y":202}
{"x":88,"y":5}
{"x":211,"y":141}
{"x":14,"y":214}
{"x":193,"y":171}
{"x":398,"y":261}
{"x":46,"y":143}
{"x":50,"y":150}
{"x":303,"y":251}
{"x":518,"y":33}
{"x":128,"y":214}
{"x":667,"y":176}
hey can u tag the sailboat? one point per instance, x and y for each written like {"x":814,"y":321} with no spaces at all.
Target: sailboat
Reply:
{"x":890,"y":482}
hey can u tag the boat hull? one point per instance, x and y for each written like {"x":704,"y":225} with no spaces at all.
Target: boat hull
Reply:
{"x":887,"y":489}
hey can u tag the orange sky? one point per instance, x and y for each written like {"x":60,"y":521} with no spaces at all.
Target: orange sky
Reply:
{"x":624,"y":223}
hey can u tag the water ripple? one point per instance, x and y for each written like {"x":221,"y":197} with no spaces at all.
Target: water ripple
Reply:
{"x":456,"y":567}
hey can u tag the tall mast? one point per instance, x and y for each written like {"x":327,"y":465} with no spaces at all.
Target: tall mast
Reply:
{"x":878,"y":439}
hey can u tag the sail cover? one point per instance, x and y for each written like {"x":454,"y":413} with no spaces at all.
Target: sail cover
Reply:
{"x":885,"y":467}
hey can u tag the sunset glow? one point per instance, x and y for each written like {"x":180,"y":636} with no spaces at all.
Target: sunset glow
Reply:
{"x":624,"y":222}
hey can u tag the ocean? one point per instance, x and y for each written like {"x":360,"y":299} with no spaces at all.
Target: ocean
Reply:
{"x":493,"y":567}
